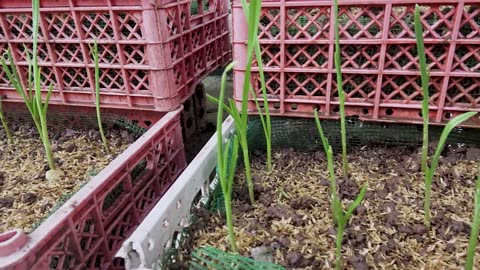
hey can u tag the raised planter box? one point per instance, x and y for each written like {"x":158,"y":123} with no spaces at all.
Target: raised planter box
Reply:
{"x":152,"y":54}
{"x":87,"y":230}
{"x":157,"y":233}
{"x":161,"y":232}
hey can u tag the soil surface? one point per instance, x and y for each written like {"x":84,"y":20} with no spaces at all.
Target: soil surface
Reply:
{"x":26,"y":197}
{"x":291,"y":218}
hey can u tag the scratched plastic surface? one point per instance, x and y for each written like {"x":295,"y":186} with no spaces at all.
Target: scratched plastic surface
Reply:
{"x":379,"y":60}
{"x":87,"y":231}
{"x":152,"y":53}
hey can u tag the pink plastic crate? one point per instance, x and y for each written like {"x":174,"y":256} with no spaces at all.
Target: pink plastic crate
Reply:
{"x":87,"y":231}
{"x":379,"y":63}
{"x":152,"y":53}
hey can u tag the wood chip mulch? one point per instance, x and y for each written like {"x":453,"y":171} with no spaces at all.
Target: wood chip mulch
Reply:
{"x":26,"y":197}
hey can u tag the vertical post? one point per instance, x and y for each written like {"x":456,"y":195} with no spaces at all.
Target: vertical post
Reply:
{"x":449,"y":63}
{"x":381,"y":62}
{"x":114,"y":19}
{"x":160,"y":70}
{"x":283,"y":35}
{"x":330,"y":68}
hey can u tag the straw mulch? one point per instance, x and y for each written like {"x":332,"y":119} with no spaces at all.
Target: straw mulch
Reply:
{"x":26,"y":197}
{"x":291,"y":219}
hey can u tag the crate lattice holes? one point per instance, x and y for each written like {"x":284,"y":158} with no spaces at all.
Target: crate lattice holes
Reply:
{"x":151,"y":54}
{"x":380,"y":69}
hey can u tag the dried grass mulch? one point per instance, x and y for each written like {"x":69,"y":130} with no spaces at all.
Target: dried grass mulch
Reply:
{"x":291,"y":218}
{"x":26,"y":197}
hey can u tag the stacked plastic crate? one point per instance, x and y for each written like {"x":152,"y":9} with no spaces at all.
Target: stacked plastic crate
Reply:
{"x":380,"y":68}
{"x":153,"y":55}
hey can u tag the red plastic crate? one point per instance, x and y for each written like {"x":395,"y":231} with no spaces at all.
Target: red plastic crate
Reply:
{"x":87,"y":231}
{"x":152,"y":53}
{"x":380,"y":67}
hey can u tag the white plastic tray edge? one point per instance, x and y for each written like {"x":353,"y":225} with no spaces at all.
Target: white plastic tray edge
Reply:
{"x":153,"y":236}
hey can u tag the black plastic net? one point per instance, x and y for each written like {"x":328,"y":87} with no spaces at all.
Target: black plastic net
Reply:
{"x":78,"y":120}
{"x":302,"y":134}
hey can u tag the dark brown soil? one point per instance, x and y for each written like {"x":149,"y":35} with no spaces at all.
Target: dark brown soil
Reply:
{"x":26,"y":197}
{"x":292,"y":213}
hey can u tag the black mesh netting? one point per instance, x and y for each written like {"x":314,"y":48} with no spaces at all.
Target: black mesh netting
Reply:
{"x":59,"y":120}
{"x":302,"y":134}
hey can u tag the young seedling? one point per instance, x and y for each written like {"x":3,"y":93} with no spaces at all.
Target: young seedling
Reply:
{"x":253,"y":21}
{"x":429,"y":171}
{"x":472,"y":244}
{"x":266,"y":123}
{"x":14,"y":78}
{"x":226,"y":167}
{"x":53,"y":174}
{"x":97,"y":94}
{"x":226,"y":181}
{"x":341,"y":94}
{"x":33,"y":98}
{"x":4,"y":124}
{"x":340,"y":217}
{"x":425,"y":76}
{"x":241,"y":118}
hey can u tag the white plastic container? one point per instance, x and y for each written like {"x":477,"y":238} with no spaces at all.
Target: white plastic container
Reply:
{"x":156,"y":234}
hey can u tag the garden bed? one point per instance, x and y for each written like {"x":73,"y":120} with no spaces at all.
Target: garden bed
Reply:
{"x":291,"y":218}
{"x":26,"y":197}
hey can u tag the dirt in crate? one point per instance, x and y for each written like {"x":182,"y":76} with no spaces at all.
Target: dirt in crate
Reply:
{"x":291,"y":218}
{"x":26,"y":197}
